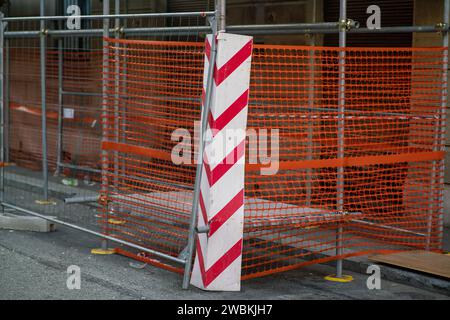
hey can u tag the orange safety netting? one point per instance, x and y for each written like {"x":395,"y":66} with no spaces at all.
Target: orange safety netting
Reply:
{"x":153,"y":89}
{"x":369,"y":165}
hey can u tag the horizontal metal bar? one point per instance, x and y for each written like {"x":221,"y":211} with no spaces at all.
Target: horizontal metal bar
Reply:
{"x":286,"y":26}
{"x":22,"y":34}
{"x":167,"y":30}
{"x":94,"y":233}
{"x":388,"y":227}
{"x":99,"y":32}
{"x":302,"y":28}
{"x":76,"y":200}
{"x":82,"y":94}
{"x":274,"y":30}
{"x":204,"y":229}
{"x":407,"y":29}
{"x":74,"y":167}
{"x":115,"y":16}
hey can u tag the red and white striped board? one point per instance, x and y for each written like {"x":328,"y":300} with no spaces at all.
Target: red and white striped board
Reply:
{"x":218,"y":260}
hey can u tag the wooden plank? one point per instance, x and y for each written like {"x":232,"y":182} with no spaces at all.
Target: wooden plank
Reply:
{"x":418,"y":260}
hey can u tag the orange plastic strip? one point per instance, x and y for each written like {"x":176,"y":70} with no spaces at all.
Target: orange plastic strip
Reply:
{"x":149,"y":261}
{"x":142,"y":151}
{"x":354,"y":161}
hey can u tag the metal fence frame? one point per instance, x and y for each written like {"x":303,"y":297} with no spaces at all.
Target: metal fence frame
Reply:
{"x":217,"y":24}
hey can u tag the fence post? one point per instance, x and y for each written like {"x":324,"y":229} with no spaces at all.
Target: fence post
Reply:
{"x":117,"y":91}
{"x":2,"y":118}
{"x":201,"y":148}
{"x":221,"y":20}
{"x":105,"y":123}
{"x":341,"y":130}
{"x":6,"y":94}
{"x":59,"y":146}
{"x":311,"y":96}
{"x":43,"y":62}
{"x":445,"y":43}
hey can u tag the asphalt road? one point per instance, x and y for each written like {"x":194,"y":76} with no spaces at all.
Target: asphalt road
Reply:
{"x":34,"y":266}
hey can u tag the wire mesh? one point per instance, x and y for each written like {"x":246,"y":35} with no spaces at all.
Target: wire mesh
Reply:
{"x":391,"y":160}
{"x":391,"y":136}
{"x":391,"y":179}
{"x":158,"y":92}
{"x":74,"y":96}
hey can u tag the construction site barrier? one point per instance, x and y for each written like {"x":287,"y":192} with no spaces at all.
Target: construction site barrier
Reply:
{"x":369,"y":176}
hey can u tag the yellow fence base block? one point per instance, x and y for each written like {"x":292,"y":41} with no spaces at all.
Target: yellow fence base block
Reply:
{"x":45,"y":202}
{"x":116,"y":222}
{"x":100,"y":251}
{"x":344,"y":278}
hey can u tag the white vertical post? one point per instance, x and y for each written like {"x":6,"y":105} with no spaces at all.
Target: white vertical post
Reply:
{"x":209,"y":70}
{"x":218,"y":260}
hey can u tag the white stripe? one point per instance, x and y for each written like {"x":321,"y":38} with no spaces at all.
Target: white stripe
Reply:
{"x":230,"y":278}
{"x":226,"y":51}
{"x":230,"y":89}
{"x":225,"y":237}
{"x":228,"y":186}
{"x":227,"y":140}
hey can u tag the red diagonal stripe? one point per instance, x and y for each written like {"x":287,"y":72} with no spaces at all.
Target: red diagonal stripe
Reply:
{"x":223,"y":167}
{"x":229,"y":114}
{"x":231,"y":65}
{"x":203,"y":209}
{"x":220,"y":265}
{"x":207,"y":48}
{"x":226,"y":213}
{"x":201,"y":261}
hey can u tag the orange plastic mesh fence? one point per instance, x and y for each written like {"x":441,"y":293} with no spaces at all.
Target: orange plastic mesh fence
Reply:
{"x":154,"y":88}
{"x":373,"y":170}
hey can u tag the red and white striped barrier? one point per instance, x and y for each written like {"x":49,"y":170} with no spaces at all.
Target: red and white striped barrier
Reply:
{"x":218,"y":258}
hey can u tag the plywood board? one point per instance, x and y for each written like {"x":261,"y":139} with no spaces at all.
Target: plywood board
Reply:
{"x":419,"y":260}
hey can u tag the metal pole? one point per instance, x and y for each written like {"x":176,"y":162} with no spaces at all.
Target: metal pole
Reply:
{"x":341,"y":127}
{"x":439,"y":138}
{"x":43,"y":61}
{"x":114,"y":16}
{"x":116,"y":95}
{"x":6,"y":101}
{"x":124,"y":90}
{"x":97,"y":234}
{"x":81,"y":94}
{"x":60,"y":106}
{"x":274,"y":29}
{"x":445,"y":43}
{"x":198,"y":175}
{"x":2,"y":117}
{"x":311,"y":94}
{"x":104,"y":108}
{"x":79,"y":168}
{"x":78,"y":200}
{"x":221,"y":6}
